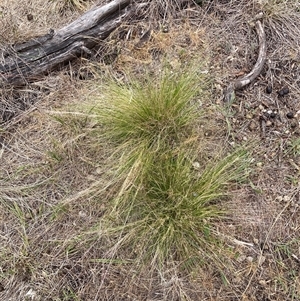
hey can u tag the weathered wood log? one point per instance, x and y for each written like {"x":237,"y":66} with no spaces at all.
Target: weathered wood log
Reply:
{"x":25,"y":62}
{"x":229,"y":93}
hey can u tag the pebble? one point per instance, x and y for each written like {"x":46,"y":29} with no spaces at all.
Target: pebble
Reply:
{"x":250,"y":259}
{"x":252,"y":126}
{"x":82,"y":214}
{"x":263,"y":282}
{"x":31,"y":294}
{"x":268,"y":123}
{"x":196,"y":165}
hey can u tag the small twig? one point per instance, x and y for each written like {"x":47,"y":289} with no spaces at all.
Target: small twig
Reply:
{"x":295,"y":257}
{"x":243,"y":243}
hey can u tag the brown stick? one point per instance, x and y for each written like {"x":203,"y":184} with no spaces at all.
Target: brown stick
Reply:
{"x":229,"y":93}
{"x":22,"y":63}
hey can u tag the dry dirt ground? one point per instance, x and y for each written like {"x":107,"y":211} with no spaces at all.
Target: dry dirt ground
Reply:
{"x":48,"y":205}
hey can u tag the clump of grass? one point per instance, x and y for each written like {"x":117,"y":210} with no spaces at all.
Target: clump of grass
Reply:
{"x":147,"y":118}
{"x":168,"y":216}
{"x":164,"y":206}
{"x":157,"y":114}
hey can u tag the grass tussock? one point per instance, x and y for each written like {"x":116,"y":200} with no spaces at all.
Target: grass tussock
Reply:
{"x":146,"y":118}
{"x":166,"y":199}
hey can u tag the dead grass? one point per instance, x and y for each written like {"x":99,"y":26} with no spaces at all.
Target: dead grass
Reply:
{"x":50,"y":202}
{"x":22,"y":21}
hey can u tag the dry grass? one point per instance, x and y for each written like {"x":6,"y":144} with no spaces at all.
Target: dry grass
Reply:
{"x":51,"y":207}
{"x":33,"y":18}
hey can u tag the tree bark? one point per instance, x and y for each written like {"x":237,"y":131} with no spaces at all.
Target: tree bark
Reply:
{"x":25,"y":62}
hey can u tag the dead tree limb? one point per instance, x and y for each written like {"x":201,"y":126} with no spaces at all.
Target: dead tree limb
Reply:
{"x":25,"y":62}
{"x":229,"y":93}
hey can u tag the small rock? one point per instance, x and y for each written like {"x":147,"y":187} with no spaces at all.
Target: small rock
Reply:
{"x":259,"y":164}
{"x":31,"y":294}
{"x":99,"y":171}
{"x":290,"y":115}
{"x":269,"y":89}
{"x":286,"y":198}
{"x":249,"y":116}
{"x":28,"y":216}
{"x":268,"y":123}
{"x":263,"y":283}
{"x":250,"y":259}
{"x":196,"y":165}
{"x":252,"y":126}
{"x":82,"y":214}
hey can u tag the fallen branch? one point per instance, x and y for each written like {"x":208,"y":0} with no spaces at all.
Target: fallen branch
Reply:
{"x":25,"y":62}
{"x":229,"y":93}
